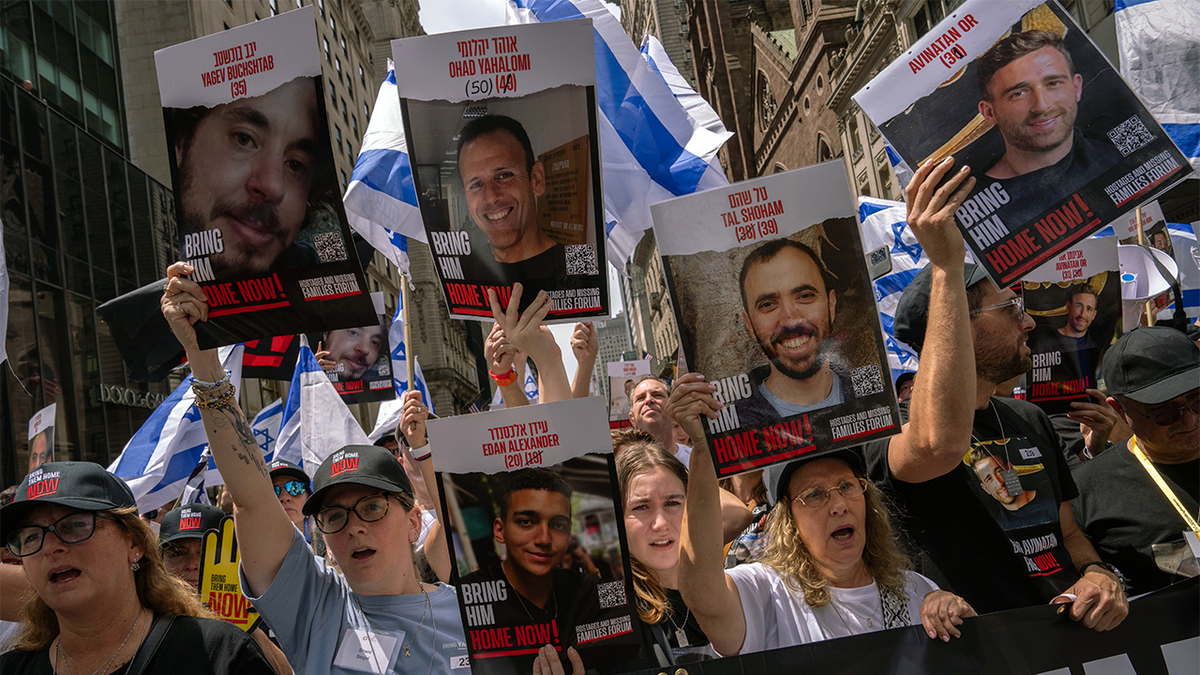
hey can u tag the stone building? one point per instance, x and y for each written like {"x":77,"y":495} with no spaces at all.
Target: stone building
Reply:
{"x":614,"y":339}
{"x":666,"y":20}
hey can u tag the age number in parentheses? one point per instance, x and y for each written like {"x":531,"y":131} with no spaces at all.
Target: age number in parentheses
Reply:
{"x":476,"y":88}
{"x":501,"y":83}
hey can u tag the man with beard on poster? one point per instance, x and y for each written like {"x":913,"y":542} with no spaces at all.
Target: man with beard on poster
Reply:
{"x":245,"y":170}
{"x":1030,"y":92}
{"x":352,"y":353}
{"x":1078,"y":350}
{"x":789,"y":304}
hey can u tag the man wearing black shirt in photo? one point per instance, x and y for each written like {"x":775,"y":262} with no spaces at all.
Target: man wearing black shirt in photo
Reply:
{"x":1153,"y":378}
{"x":971,"y":336}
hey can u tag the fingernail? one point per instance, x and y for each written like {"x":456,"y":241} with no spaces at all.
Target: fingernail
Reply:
{"x":932,"y":635}
{"x":945,"y":638}
{"x":948,"y":159}
{"x":964,"y":169}
{"x":712,"y":387}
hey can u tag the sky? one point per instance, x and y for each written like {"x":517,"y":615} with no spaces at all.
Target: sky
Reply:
{"x":444,"y":16}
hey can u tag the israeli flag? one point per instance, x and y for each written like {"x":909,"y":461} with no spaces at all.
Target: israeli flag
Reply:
{"x":531,"y":391}
{"x":885,"y":223}
{"x":1187,"y":257}
{"x":157,"y":461}
{"x":315,"y":422}
{"x":904,"y":173}
{"x":1157,"y":43}
{"x":651,"y":148}
{"x":193,"y":491}
{"x":381,"y":200}
{"x":266,"y":426}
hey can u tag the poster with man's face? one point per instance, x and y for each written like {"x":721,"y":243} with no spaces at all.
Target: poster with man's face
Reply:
{"x":1075,"y":302}
{"x":622,"y":375}
{"x":358,"y":359}
{"x":503,"y":140}
{"x":41,"y":437}
{"x":257,"y":199}
{"x":539,"y":549}
{"x":775,"y":307}
{"x":1058,"y":144}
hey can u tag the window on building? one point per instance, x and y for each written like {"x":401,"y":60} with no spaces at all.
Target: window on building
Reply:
{"x":230,"y":3}
{"x":344,"y":52}
{"x":321,"y":7}
{"x":345,"y":114}
{"x":338,"y":64}
{"x":366,"y":112}
{"x":325,"y":46}
{"x":362,"y":77}
{"x":823,"y":150}
{"x":338,"y":136}
{"x":257,"y":17}
{"x":766,"y":101}
{"x":226,"y":26}
{"x":885,"y":182}
{"x":855,"y":142}
{"x":343,"y":172}
{"x":931,"y":13}
{"x":354,"y":125}
{"x":349,"y":87}
{"x":350,"y":150}
{"x":274,"y":7}
{"x":778,"y":168}
{"x":333,"y":25}
{"x":864,"y":188}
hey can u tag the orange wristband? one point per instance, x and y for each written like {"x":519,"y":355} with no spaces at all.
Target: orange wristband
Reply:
{"x":506,"y":379}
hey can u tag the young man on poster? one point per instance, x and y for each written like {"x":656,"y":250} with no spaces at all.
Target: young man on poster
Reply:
{"x":40,"y":451}
{"x":354,"y":350}
{"x":1030,"y":92}
{"x":502,"y":180}
{"x":245,"y":170}
{"x":992,"y":469}
{"x":789,"y":304}
{"x":971,"y":337}
{"x":1153,"y":377}
{"x":1075,"y":347}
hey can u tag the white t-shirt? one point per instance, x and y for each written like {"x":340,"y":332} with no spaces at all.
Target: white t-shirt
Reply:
{"x":777,"y":616}
{"x":684,"y":454}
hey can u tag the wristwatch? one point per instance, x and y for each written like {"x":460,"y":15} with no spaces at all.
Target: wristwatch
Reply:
{"x":1111,"y":568}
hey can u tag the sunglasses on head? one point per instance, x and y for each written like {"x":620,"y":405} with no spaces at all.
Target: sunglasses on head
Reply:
{"x":294,"y":488}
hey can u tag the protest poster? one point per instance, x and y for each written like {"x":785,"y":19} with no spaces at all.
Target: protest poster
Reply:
{"x":526,"y":490}
{"x":220,"y":587}
{"x":271,"y":358}
{"x":358,"y":360}
{"x":775,"y":307}
{"x":1125,"y":227}
{"x":1075,"y":302}
{"x":502,"y":136}
{"x":1057,"y":142}
{"x":622,"y":375}
{"x":41,"y":437}
{"x":256,"y":196}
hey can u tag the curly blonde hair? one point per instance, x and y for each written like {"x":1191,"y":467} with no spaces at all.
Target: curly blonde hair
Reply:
{"x":787,"y":554}
{"x":156,"y":588}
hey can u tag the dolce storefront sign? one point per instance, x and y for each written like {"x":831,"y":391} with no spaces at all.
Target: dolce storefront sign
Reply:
{"x":133,"y":398}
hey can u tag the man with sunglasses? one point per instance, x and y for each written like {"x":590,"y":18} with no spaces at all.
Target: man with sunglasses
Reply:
{"x":1153,"y":379}
{"x":971,"y":336}
{"x":292,"y":488}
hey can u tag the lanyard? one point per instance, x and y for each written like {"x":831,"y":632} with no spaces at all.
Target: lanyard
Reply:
{"x":1162,"y":485}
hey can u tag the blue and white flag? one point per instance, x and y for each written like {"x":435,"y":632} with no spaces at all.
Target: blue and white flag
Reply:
{"x":193,"y":491}
{"x":885,"y":223}
{"x":157,"y":461}
{"x":1157,"y":41}
{"x":904,"y":173}
{"x":316,"y":422}
{"x":531,"y":391}
{"x":651,"y":148}
{"x":381,"y":200}
{"x":389,"y":411}
{"x":266,"y":426}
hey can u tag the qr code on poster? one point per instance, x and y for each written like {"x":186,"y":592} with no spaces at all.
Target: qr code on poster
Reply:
{"x":1130,"y":135}
{"x":612,"y":594}
{"x":581,"y":259}
{"x":866,"y":381}
{"x":330,"y":246}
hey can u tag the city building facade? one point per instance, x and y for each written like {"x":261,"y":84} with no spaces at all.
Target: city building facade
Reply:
{"x":666,"y":20}
{"x":615,"y":341}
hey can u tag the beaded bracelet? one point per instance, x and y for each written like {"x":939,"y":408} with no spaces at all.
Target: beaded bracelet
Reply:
{"x":210,"y":394}
{"x":218,"y":402}
{"x":201,"y":384}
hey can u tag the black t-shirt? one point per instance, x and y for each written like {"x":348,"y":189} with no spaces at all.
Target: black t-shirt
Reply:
{"x":549,"y":264}
{"x":193,"y":646}
{"x":1131,"y":522}
{"x":996,"y":555}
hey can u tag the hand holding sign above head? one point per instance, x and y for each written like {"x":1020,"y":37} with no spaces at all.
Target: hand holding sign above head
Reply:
{"x":528,"y":335}
{"x":931,"y":210}
{"x":691,"y":397}
{"x":586,"y":345}
{"x":413,"y":416}
{"x":183,"y":304}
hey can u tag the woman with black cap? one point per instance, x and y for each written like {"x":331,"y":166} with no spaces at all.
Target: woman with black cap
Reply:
{"x":831,"y":567}
{"x":103,"y":600}
{"x":376,"y":615}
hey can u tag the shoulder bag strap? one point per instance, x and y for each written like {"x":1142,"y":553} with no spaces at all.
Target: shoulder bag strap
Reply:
{"x":158,"y":630}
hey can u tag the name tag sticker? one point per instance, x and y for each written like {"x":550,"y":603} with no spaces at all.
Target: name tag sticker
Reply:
{"x":365,"y":651}
{"x":1030,"y":453}
{"x":457,"y":662}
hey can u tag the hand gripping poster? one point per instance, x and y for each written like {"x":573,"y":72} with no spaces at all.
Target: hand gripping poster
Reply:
{"x":775,"y":307}
{"x":1058,"y":144}
{"x":256,"y":197}
{"x":502,"y":137}
{"x":539,"y":550}
{"x":622,"y":375}
{"x":358,"y":359}
{"x":1075,"y":302}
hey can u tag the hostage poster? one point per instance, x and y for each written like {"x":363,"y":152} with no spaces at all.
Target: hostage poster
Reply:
{"x":1075,"y":302}
{"x":775,"y":307}
{"x":502,"y":137}
{"x":256,"y":197}
{"x":41,"y":437}
{"x":358,"y":359}
{"x":539,"y":550}
{"x":1058,"y":144}
{"x":622,"y":375}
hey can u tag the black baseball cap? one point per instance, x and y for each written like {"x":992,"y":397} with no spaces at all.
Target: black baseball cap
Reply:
{"x":912,"y":312}
{"x":1152,"y":365}
{"x":282,"y":467}
{"x":367,"y":465}
{"x":189,"y":521}
{"x":79,"y":485}
{"x":904,"y":377}
{"x":776,"y":476}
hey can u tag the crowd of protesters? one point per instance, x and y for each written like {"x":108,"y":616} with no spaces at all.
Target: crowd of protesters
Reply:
{"x":348,"y":563}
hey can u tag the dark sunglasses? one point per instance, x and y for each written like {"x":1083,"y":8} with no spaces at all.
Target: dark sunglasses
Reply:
{"x":294,"y":488}
{"x":70,"y":529}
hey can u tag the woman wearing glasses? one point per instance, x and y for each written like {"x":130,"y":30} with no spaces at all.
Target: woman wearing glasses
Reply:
{"x":376,"y":616}
{"x":831,"y":568}
{"x":103,"y":600}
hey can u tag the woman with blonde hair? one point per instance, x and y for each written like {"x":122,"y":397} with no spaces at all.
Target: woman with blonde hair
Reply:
{"x":653,"y":496}
{"x":101,"y":599}
{"x":831,"y":567}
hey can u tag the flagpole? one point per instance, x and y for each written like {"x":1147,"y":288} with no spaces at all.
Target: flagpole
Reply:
{"x":1141,"y":237}
{"x":410,"y":356}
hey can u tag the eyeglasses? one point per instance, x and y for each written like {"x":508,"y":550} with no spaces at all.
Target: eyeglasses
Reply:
{"x":1169,"y":416}
{"x":70,"y":529}
{"x":369,"y":509}
{"x":1018,"y":301}
{"x":816,"y":497}
{"x":294,"y":488}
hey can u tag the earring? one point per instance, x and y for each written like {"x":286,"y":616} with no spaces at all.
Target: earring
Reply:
{"x":135,"y":567}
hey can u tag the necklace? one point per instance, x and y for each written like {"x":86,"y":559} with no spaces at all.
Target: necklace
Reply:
{"x":553,"y":596}
{"x":61,"y":654}
{"x":428,"y":611}
{"x":1012,"y":483}
{"x":680,"y":633}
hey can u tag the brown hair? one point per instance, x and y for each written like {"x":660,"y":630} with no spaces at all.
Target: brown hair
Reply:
{"x":156,"y":588}
{"x":1012,"y":48}
{"x":787,"y":554}
{"x":627,"y":436}
{"x":634,"y":460}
